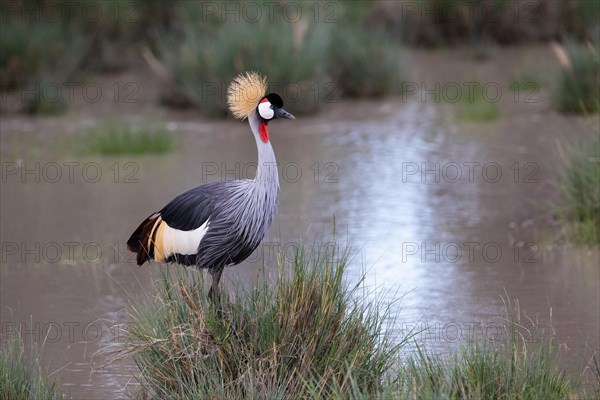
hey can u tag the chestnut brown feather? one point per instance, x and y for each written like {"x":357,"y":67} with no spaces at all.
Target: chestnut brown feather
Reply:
{"x":139,"y":241}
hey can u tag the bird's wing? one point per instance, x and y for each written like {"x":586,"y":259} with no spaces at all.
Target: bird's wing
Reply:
{"x":178,"y":228}
{"x":192,"y":209}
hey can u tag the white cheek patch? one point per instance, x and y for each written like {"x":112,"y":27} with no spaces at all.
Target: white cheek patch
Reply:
{"x":265,"y":110}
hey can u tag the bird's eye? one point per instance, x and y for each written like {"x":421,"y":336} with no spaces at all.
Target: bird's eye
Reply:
{"x":265,"y":110}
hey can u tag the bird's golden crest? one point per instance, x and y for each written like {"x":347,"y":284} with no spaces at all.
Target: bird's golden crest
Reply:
{"x":245,"y":92}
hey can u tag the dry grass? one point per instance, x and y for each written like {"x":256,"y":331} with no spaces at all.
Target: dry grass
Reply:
{"x":21,"y":376}
{"x":307,"y":335}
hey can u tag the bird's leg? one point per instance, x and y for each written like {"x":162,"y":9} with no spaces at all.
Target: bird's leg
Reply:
{"x":213,"y":293}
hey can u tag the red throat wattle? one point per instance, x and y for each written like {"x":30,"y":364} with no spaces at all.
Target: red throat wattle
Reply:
{"x":263,"y":130}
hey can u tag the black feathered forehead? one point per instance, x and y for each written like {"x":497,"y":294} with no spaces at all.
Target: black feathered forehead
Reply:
{"x":275,"y":99}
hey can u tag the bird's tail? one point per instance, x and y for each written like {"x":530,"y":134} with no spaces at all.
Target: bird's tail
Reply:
{"x":140,"y":242}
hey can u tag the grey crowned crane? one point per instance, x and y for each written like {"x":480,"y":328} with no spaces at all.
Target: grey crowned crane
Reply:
{"x":220,"y":224}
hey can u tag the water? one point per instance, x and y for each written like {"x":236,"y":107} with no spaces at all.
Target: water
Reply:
{"x":450,"y":246}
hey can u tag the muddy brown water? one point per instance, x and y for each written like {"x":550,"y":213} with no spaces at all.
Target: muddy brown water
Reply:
{"x":448,"y":215}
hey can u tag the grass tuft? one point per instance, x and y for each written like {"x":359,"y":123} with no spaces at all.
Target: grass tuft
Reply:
{"x":578,"y":180}
{"x":474,"y":106}
{"x":482,"y":371}
{"x":365,"y":63}
{"x":21,"y":376}
{"x":118,"y":139}
{"x":41,"y":51}
{"x":303,"y":337}
{"x":525,"y":82}
{"x":579,"y":80}
{"x":35,"y":55}
{"x":523,"y":366}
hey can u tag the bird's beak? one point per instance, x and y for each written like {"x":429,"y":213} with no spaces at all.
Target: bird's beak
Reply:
{"x":281,"y":113}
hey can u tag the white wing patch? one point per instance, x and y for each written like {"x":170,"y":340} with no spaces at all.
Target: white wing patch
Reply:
{"x":171,"y":241}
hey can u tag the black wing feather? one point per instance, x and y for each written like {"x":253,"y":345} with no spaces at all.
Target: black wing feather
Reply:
{"x":191,"y":209}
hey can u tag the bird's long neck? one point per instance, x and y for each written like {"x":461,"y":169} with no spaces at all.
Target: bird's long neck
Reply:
{"x":267,"y":176}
